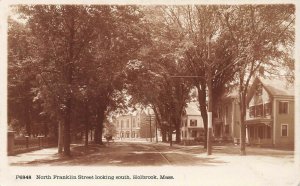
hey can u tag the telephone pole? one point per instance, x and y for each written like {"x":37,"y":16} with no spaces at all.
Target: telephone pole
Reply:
{"x":209,"y":113}
{"x":209,"y":108}
{"x":150,"y":129}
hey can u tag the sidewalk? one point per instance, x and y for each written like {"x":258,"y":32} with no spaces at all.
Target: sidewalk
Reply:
{"x":38,"y":155}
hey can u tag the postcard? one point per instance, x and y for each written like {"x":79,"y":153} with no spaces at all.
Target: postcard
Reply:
{"x":149,"y":93}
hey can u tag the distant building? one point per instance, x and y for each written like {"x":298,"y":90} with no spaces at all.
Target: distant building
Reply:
{"x":135,"y":124}
{"x":192,"y":124}
{"x":270,"y":113}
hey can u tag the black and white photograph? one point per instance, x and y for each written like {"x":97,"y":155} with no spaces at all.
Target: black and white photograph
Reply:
{"x":189,"y":93}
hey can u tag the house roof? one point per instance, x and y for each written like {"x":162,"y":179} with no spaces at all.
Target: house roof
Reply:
{"x":232,"y":93}
{"x":277,"y":87}
{"x":274,"y":86}
{"x":192,"y":109}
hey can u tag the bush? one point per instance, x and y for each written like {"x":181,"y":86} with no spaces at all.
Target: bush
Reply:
{"x":199,"y":139}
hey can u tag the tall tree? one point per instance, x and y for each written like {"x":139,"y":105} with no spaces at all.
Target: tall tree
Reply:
{"x":262,"y":35}
{"x":63,"y":33}
{"x":199,"y":40}
{"x":22,"y":111}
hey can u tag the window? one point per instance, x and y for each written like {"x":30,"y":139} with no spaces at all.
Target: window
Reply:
{"x":117,"y":124}
{"x":261,"y":132}
{"x":185,"y":122}
{"x":267,"y":109}
{"x":283,"y":107}
{"x":284,"y":130}
{"x":252,"y":111}
{"x":194,"y":134}
{"x":185,"y":133}
{"x":259,"y":110}
{"x":193,"y":122}
{"x":226,"y":129}
{"x":127,"y":123}
{"x":226,"y":112}
{"x":269,"y":132}
{"x":259,"y":89}
{"x":133,"y":122}
{"x":219,"y":112}
{"x":122,"y":123}
{"x":251,"y":131}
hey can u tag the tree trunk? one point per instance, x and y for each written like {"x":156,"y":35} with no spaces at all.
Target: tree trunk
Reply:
{"x":203,"y":110}
{"x":178,"y":134}
{"x":67,"y":124}
{"x":60,"y":137}
{"x":204,"y":118}
{"x":87,"y":127}
{"x":68,"y":73}
{"x":27,"y":118}
{"x":157,"y":122}
{"x":99,"y":127}
{"x":96,"y":134}
{"x":243,"y":127}
{"x":163,"y":134}
{"x":91,"y":134}
{"x":86,"y":136}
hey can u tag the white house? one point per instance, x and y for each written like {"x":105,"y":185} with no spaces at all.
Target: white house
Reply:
{"x":192,"y":124}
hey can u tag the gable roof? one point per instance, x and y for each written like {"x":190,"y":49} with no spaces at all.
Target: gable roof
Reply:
{"x":192,"y":109}
{"x":275,"y":87}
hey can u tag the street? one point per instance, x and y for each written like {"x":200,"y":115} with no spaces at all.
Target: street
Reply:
{"x":260,"y":167}
{"x":117,"y":153}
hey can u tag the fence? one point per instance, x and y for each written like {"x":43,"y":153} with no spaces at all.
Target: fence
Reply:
{"x":26,"y":144}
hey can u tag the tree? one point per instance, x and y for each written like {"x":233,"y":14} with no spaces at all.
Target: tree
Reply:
{"x":63,"y":33}
{"x":23,"y":110}
{"x":110,"y":129}
{"x":262,"y":35}
{"x":150,"y":83}
{"x":111,"y":56}
{"x":80,"y":58}
{"x":201,"y":43}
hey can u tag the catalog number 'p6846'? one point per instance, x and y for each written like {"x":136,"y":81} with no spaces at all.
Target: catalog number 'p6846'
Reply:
{"x":21,"y":177}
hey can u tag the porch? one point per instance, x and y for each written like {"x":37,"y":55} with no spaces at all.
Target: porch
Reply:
{"x":260,"y":132}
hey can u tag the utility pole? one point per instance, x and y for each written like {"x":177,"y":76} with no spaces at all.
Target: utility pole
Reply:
{"x":121,"y":134}
{"x":209,"y":108}
{"x":150,"y":129}
{"x":156,"y":138}
{"x":170,"y":131}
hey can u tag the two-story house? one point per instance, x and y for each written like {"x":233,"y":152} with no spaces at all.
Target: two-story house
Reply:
{"x":226,"y":118}
{"x":192,"y":123}
{"x":270,"y":113}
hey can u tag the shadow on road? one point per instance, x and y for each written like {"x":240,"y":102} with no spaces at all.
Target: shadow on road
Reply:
{"x":126,"y":154}
{"x":143,"y":154}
